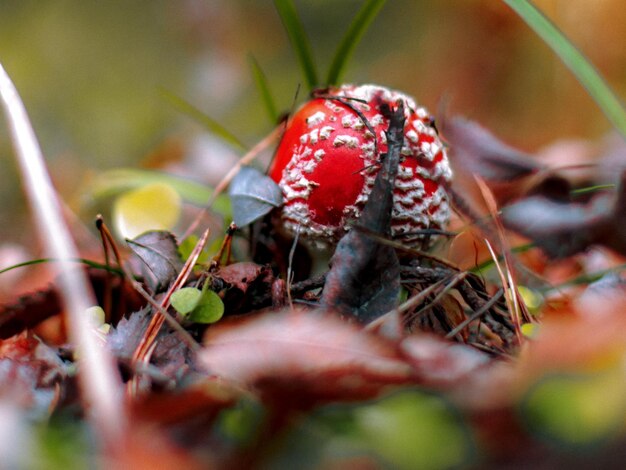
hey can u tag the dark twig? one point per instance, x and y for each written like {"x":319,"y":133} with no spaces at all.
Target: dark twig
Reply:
{"x":479,"y":313}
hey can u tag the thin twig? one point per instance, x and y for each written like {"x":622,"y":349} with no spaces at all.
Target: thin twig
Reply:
{"x":107,"y":295}
{"x":409,"y":304}
{"x":448,"y":285}
{"x":479,"y":313}
{"x":290,"y":273}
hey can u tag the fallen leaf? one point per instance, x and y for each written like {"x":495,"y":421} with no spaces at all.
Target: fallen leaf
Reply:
{"x":253,"y":195}
{"x":246,"y":282}
{"x":125,"y":337}
{"x":561,"y":229}
{"x":478,"y":152}
{"x":158,"y":251}
{"x":32,"y":373}
{"x":302,"y":357}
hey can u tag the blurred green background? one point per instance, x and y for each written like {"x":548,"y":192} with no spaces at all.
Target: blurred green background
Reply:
{"x":92,"y":73}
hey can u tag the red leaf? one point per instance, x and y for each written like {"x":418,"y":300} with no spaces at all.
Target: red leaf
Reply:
{"x":303,"y":357}
{"x":241,"y":275}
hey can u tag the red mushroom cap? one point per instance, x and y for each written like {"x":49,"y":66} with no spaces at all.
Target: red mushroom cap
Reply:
{"x":328,"y":158}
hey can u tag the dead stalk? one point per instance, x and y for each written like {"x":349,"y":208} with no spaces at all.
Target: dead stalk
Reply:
{"x":98,"y":376}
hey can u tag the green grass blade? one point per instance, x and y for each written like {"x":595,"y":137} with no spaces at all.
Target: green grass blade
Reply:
{"x":353,"y":35}
{"x":207,"y":121}
{"x":262,"y":85}
{"x":299,"y":40}
{"x":114,"y":182}
{"x":86,"y":262}
{"x":488,"y":264}
{"x":586,"y":74}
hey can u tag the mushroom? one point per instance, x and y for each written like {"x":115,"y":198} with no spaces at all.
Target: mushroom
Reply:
{"x":330,"y":153}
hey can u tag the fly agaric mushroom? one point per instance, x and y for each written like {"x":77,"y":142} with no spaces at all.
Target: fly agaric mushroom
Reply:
{"x":328,"y":158}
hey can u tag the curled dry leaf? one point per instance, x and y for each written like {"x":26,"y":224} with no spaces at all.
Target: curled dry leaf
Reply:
{"x":478,"y":152}
{"x":364,"y":280}
{"x":202,"y":398}
{"x":246,"y":282}
{"x":241,"y":275}
{"x":564,"y":228}
{"x":561,"y":229}
{"x":302,"y":358}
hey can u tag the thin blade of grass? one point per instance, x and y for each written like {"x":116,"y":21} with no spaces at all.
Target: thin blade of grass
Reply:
{"x":351,"y":38}
{"x":299,"y":40}
{"x":207,"y":121}
{"x":98,"y":376}
{"x":488,"y":264}
{"x":86,"y":262}
{"x":262,"y":85}
{"x":584,"y":71}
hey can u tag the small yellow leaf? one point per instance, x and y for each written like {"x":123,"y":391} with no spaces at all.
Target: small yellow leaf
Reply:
{"x":532,"y":299}
{"x":153,"y":207}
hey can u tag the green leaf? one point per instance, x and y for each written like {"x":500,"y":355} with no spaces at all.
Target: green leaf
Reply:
{"x":577,"y":410}
{"x":299,"y":40}
{"x":262,"y":86}
{"x":210,"y":308}
{"x":211,"y":124}
{"x":405,"y":430}
{"x":114,"y":182}
{"x":186,"y":299}
{"x":156,"y":206}
{"x":241,"y":423}
{"x":586,"y":74}
{"x":187,"y":246}
{"x":530,"y":330}
{"x":351,"y":38}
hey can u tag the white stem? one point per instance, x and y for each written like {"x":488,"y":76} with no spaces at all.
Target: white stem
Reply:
{"x":97,"y":374}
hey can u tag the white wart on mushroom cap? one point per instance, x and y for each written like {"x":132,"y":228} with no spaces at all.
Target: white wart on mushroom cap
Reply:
{"x":328,"y":158}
